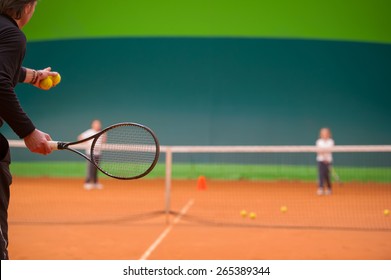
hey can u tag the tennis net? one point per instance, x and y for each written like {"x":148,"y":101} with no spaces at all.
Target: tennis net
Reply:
{"x":277,"y":186}
{"x":263,"y":186}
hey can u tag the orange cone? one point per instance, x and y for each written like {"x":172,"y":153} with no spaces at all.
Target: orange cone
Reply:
{"x":201,"y":183}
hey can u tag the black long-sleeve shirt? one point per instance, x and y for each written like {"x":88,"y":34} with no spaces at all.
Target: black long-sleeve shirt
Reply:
{"x":12,"y":51}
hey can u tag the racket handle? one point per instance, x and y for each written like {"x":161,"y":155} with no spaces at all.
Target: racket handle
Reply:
{"x":53,"y":145}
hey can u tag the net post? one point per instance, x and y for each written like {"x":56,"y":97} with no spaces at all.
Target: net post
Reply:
{"x":168,"y":184}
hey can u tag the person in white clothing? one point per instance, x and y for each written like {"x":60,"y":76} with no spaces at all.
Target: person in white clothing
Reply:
{"x":324,"y":159}
{"x":91,"y":180}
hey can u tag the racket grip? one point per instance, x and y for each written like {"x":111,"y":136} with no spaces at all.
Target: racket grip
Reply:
{"x":53,"y":145}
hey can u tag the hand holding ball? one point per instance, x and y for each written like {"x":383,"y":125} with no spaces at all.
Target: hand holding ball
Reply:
{"x":49,"y":82}
{"x":56,"y":79}
{"x":46,"y":83}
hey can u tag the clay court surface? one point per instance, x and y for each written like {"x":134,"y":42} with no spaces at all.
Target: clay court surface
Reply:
{"x":53,"y":218}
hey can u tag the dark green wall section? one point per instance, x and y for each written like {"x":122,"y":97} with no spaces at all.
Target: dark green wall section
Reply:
{"x":216,"y":91}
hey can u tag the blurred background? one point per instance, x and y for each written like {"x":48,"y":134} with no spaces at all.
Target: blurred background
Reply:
{"x":216,"y":72}
{"x":211,"y":73}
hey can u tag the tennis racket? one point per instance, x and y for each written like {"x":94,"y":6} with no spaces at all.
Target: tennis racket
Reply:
{"x":335,"y":175}
{"x":122,"y":151}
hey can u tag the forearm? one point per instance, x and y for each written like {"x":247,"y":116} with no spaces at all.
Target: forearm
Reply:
{"x":30,"y":76}
{"x":34,"y":77}
{"x":19,"y":122}
{"x":12,"y":113}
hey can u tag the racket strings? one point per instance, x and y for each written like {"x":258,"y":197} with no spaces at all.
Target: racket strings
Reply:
{"x":125,"y":151}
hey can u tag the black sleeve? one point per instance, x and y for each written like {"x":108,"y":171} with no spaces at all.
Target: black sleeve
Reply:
{"x":10,"y":108}
{"x":22,"y":74}
{"x":12,"y":113}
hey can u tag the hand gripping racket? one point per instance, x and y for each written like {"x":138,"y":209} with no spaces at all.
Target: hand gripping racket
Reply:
{"x":122,"y":151}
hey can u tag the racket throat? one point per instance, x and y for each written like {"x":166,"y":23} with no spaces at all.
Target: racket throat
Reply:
{"x":61,"y":145}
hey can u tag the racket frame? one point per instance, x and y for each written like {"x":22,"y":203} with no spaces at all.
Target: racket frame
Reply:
{"x":55,"y":145}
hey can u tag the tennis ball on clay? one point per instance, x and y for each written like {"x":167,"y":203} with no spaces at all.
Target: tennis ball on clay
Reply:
{"x":386,"y":212}
{"x":56,"y":79}
{"x":252,"y":215}
{"x":243,"y":213}
{"x":283,"y":209}
{"x":46,"y":83}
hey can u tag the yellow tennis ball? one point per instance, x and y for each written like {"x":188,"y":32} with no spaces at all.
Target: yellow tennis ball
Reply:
{"x":56,"y":79}
{"x":252,"y":215}
{"x":386,"y":212}
{"x":243,"y":213}
{"x":283,"y":209}
{"x":46,"y":83}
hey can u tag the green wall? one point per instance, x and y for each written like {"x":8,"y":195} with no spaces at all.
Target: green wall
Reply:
{"x":215,"y":72}
{"x":217,"y":91}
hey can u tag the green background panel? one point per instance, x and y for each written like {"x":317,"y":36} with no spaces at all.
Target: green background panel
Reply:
{"x":216,"y":91}
{"x":214,"y":72}
{"x":351,"y":20}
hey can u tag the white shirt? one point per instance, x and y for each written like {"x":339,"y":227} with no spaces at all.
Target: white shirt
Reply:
{"x":88,"y":144}
{"x":324,"y":143}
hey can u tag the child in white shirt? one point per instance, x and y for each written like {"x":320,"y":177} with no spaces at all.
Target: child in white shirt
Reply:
{"x":324,"y":159}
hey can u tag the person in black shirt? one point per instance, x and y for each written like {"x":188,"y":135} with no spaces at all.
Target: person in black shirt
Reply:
{"x":14,"y":14}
